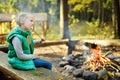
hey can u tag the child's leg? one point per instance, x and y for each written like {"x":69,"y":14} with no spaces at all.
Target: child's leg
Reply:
{"x":42,"y":63}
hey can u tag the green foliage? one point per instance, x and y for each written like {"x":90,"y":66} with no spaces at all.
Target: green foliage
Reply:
{"x":90,"y":30}
{"x":12,"y":2}
{"x":79,"y":5}
{"x":52,"y":1}
{"x":81,"y":30}
{"x":107,"y":4}
{"x":51,"y":12}
{"x":105,"y":32}
{"x":89,"y":10}
{"x":37,"y":73}
{"x":72,"y":20}
{"x":53,"y":33}
{"x":8,"y":6}
{"x":35,"y":3}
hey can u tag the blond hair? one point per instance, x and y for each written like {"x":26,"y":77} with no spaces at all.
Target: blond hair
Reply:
{"x":22,"y":16}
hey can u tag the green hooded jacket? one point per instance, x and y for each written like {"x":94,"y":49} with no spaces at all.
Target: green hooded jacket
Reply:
{"x":28,"y":48}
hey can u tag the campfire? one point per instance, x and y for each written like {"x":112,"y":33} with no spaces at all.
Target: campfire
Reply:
{"x":93,"y":66}
{"x":97,"y":61}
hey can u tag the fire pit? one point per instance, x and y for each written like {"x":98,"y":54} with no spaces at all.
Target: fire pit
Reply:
{"x":91,"y":64}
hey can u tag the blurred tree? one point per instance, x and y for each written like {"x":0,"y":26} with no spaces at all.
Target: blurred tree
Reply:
{"x":116,"y":7}
{"x":114,"y":19}
{"x":80,"y":8}
{"x":64,"y":19}
{"x":8,"y":6}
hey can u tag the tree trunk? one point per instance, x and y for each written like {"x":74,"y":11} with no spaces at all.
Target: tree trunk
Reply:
{"x":100,"y":9}
{"x":117,"y":13}
{"x":64,"y":24}
{"x":64,"y":19}
{"x":114,"y":19}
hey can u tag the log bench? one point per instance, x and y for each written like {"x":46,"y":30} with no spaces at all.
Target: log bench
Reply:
{"x":2,"y":38}
{"x":44,"y":74}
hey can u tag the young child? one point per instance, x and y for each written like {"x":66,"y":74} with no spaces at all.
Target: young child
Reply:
{"x":21,"y":45}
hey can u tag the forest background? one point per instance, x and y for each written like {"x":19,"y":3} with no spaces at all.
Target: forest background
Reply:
{"x":80,"y":19}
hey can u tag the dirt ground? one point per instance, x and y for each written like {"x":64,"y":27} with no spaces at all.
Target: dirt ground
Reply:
{"x":52,"y":53}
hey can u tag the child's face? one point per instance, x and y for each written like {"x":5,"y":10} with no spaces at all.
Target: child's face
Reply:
{"x":29,"y":23}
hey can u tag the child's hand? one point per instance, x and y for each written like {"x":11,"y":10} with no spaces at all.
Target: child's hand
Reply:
{"x":37,"y":56}
{"x":42,"y":39}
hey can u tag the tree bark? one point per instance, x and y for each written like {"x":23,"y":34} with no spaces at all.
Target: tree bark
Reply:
{"x":114,"y":19}
{"x":100,"y":12}
{"x":117,"y":13}
{"x":64,"y":30}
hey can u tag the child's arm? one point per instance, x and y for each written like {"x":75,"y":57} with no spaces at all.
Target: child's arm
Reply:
{"x":39,"y":41}
{"x":36,"y":41}
{"x":19,"y":52}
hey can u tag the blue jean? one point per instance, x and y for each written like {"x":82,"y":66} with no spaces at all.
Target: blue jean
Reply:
{"x":42,"y":63}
